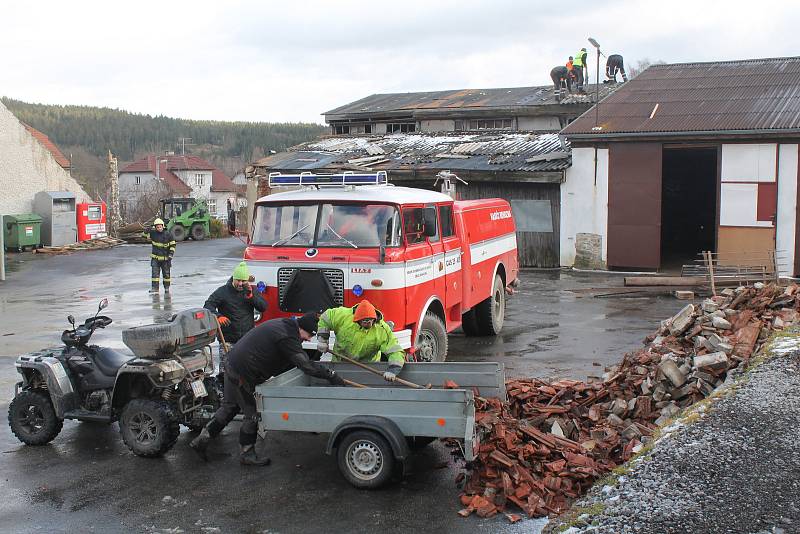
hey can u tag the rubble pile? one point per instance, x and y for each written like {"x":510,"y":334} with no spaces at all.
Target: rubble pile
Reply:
{"x":550,"y":441}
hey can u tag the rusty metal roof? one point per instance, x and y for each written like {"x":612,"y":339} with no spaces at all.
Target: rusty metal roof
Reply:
{"x":415,"y":104}
{"x":427,"y":152}
{"x":757,"y":96}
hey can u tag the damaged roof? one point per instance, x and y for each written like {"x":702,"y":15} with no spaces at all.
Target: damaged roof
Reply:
{"x":426,"y":152}
{"x":431,"y":102}
{"x":756,"y":96}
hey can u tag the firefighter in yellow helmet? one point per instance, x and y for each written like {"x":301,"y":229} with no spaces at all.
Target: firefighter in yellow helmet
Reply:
{"x":163,"y":248}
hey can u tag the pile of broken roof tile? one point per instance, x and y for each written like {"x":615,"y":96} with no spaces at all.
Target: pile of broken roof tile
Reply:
{"x":550,"y":441}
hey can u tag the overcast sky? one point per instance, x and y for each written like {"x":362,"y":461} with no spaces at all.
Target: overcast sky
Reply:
{"x":291,"y":61}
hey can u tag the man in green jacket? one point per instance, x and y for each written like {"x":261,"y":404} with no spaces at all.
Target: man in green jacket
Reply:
{"x":361,"y":334}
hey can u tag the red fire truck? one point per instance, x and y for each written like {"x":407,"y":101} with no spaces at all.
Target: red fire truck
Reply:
{"x":429,"y":263}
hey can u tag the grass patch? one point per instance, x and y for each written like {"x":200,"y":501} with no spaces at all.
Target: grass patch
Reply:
{"x":572,"y":518}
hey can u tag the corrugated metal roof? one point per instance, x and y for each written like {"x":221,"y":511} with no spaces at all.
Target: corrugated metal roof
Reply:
{"x":464,"y":99}
{"x":418,"y":151}
{"x":751,"y":95}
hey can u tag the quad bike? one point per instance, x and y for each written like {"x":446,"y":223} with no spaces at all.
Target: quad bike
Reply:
{"x":166,"y":382}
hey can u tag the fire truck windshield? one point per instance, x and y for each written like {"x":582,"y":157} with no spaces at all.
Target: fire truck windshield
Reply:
{"x":327,"y":225}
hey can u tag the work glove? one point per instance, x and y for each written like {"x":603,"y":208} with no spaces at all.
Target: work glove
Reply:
{"x":391,"y":373}
{"x":223,"y":321}
{"x":322,"y":346}
{"x":336,"y":380}
{"x":248,"y":292}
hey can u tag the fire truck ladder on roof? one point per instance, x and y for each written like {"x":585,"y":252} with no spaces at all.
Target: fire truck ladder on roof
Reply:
{"x":309,"y":179}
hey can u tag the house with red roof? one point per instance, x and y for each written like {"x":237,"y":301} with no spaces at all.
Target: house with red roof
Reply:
{"x":145,"y":181}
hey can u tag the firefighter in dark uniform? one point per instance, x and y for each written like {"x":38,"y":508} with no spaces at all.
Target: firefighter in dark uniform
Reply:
{"x":160,"y":256}
{"x":267,"y":350}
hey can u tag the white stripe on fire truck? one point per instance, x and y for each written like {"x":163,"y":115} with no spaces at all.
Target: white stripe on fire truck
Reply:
{"x":490,"y":248}
{"x":391,"y":275}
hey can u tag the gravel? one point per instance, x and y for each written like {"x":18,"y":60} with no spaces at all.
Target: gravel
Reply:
{"x":735,"y":469}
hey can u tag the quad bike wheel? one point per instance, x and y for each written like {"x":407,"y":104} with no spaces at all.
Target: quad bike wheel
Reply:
{"x":32,"y":418}
{"x":149,"y":427}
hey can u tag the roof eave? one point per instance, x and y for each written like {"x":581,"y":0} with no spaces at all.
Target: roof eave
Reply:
{"x":582,"y":137}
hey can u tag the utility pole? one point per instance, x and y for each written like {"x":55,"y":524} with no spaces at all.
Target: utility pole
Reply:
{"x":183,"y":143}
{"x":595,"y":44}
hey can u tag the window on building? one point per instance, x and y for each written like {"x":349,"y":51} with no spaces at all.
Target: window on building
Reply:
{"x":199,"y":179}
{"x":212,"y":206}
{"x":138,"y":180}
{"x":341,"y":129}
{"x":446,"y":218}
{"x":401,"y":127}
{"x":484,"y":124}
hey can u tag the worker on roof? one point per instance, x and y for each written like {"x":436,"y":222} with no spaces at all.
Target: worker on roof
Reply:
{"x":163,"y":248}
{"x":234,"y":304}
{"x":361,"y":334}
{"x":561,"y":79}
{"x":579,"y":64}
{"x":615,"y":64}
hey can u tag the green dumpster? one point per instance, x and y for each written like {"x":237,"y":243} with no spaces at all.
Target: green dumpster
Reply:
{"x":22,"y":231}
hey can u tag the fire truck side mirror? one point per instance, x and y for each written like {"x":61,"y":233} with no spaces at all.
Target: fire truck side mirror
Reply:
{"x":429,"y":221}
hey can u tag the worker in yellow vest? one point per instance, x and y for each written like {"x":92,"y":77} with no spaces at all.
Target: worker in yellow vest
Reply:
{"x":579,"y":66}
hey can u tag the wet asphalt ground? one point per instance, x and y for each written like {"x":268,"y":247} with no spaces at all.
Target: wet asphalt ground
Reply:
{"x":87,"y":481}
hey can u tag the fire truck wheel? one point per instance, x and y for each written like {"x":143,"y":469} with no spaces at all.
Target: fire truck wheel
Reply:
{"x":469,"y":324}
{"x":491,"y":312}
{"x":431,"y":340}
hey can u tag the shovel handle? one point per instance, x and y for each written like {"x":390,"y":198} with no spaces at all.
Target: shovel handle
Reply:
{"x":375,"y":371}
{"x":354,"y":384}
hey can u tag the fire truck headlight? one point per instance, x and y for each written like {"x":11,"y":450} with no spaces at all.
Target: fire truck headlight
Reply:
{"x":358,"y":290}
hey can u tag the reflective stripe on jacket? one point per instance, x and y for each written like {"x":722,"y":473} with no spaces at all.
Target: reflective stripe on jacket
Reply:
{"x":163,"y":245}
{"x":361,"y":344}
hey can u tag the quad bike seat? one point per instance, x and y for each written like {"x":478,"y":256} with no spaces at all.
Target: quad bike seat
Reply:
{"x":108,"y":361}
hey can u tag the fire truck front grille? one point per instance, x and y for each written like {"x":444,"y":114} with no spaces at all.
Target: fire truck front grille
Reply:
{"x":334,"y":276}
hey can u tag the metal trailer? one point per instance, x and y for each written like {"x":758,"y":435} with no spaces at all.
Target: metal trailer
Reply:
{"x":371,"y":429}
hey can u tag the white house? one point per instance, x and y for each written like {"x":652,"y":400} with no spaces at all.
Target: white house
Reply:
{"x":146,"y":180}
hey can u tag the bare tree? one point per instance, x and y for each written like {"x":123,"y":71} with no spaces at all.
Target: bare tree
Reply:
{"x":639,"y":66}
{"x":143,"y":204}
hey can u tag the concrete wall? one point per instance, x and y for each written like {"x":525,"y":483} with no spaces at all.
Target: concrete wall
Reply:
{"x":221,"y":198}
{"x":537,"y":124}
{"x":787,"y":208}
{"x":437,"y":125}
{"x":584,"y":206}
{"x":27,"y":167}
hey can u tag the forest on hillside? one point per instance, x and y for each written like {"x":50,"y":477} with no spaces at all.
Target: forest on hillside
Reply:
{"x":87,"y":133}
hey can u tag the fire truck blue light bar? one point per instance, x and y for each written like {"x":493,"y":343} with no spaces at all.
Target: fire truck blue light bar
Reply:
{"x":277,"y":179}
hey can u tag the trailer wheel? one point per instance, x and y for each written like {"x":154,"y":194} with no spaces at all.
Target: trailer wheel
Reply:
{"x":431,"y":343}
{"x":365,"y":459}
{"x":469,"y":324}
{"x":491,"y":312}
{"x":32,"y":418}
{"x":178,"y":232}
{"x":198,"y":232}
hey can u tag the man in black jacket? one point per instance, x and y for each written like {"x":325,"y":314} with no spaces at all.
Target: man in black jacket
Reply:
{"x":234,"y":304}
{"x":267,"y":350}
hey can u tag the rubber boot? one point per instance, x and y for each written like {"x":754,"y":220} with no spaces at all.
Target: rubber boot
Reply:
{"x":249,"y":456}
{"x":200,"y":443}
